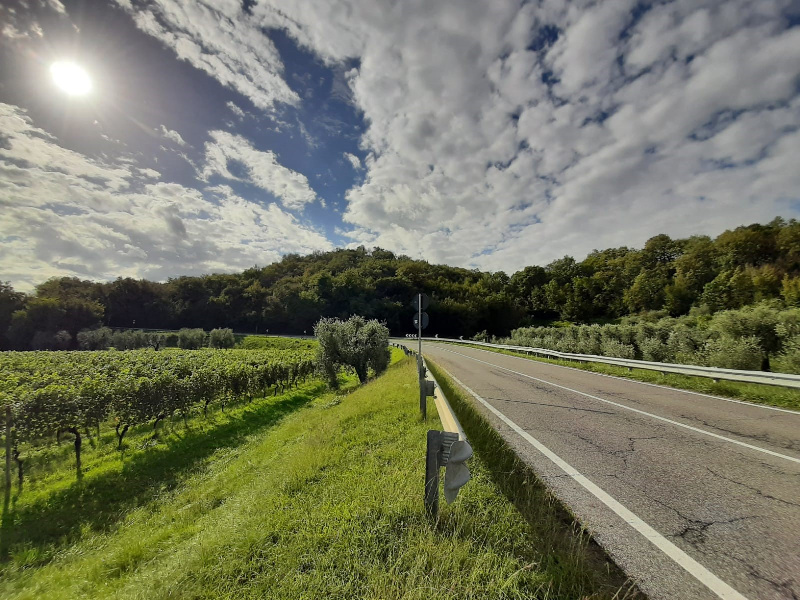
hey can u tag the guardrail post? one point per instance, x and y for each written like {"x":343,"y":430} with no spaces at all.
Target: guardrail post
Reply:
{"x":437,"y":455}
{"x":432,"y":472}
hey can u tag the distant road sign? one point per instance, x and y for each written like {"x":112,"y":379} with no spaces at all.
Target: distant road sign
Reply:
{"x":425,"y":320}
{"x":425,"y":302}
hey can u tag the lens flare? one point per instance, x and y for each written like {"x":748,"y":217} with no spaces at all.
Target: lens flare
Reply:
{"x":71,"y":78}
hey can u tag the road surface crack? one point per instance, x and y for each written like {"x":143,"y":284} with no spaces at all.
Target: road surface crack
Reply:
{"x":756,"y":490}
{"x":695,"y":530}
{"x":530,"y":402}
{"x":785,"y":588}
{"x":760,"y":437}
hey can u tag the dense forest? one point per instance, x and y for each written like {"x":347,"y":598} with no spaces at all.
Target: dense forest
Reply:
{"x":668,"y":277}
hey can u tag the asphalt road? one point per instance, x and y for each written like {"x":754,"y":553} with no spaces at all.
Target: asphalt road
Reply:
{"x":693,"y":496}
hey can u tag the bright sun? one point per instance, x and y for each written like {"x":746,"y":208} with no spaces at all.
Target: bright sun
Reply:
{"x":71,"y":78}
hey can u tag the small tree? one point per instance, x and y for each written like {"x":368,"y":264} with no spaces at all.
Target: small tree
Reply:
{"x":221,"y":338}
{"x":355,"y":343}
{"x":62,"y":340}
{"x":191,"y":339}
{"x":95,"y":339}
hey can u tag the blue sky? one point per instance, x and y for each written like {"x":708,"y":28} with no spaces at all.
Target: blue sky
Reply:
{"x":490,"y":134}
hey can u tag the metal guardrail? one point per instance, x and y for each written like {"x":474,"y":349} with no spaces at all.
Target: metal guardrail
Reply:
{"x":777,"y":379}
{"x":449,"y":448}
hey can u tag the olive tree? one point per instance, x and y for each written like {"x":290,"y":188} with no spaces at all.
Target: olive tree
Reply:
{"x":191,"y":339}
{"x":355,"y":343}
{"x":221,"y":338}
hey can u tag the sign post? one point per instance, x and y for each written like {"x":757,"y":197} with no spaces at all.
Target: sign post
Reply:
{"x":421,"y":322}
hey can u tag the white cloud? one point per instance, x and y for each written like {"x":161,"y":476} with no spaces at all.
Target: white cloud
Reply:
{"x":221,"y":39}
{"x":173,"y":136}
{"x":235,"y":109}
{"x":487,"y":143}
{"x":262,"y":167}
{"x":353,"y":160}
{"x":487,"y":150}
{"x":68,"y":214}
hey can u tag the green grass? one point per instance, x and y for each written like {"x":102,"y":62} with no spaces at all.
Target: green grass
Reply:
{"x":306,"y":495}
{"x":750,"y":392}
{"x":257,"y":342}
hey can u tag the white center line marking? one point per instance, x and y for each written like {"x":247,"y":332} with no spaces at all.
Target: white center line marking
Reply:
{"x":694,"y":568}
{"x":636,"y":410}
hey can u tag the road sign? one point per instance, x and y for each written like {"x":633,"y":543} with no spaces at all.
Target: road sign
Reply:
{"x":425,"y":320}
{"x":424,"y":299}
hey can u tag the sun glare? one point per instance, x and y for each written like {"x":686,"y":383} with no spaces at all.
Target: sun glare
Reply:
{"x":71,"y":78}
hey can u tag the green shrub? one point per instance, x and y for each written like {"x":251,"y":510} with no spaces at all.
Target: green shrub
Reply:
{"x":683,"y":345}
{"x":788,"y":361}
{"x":653,"y":349}
{"x":734,"y":353}
{"x":122,"y":340}
{"x":617,"y":349}
{"x":62,"y":340}
{"x":355,"y":343}
{"x":221,"y":338}
{"x":191,"y":339}
{"x":95,"y":339}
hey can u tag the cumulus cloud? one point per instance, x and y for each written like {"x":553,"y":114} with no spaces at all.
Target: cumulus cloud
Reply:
{"x":498,"y":133}
{"x":173,"y":136}
{"x":261,"y":168}
{"x":221,"y":39}
{"x":353,"y":160}
{"x":68,"y":214}
{"x":501,"y":133}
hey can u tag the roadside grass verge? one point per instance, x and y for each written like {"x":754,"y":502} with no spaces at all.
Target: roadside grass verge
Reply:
{"x":324,"y":503}
{"x":750,"y":392}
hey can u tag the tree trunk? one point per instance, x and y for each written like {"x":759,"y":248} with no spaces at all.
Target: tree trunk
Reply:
{"x":19,"y":461}
{"x":76,"y":432}
{"x":159,"y":418}
{"x":121,"y":435}
{"x":8,"y":450}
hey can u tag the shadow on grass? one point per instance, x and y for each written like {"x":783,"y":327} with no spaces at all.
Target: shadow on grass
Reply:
{"x":577,"y":565}
{"x":99,"y":502}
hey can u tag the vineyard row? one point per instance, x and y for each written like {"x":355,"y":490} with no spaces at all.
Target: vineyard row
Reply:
{"x":47,"y":394}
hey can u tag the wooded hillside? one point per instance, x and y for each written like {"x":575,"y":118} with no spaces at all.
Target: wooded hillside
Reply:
{"x":739,"y":267}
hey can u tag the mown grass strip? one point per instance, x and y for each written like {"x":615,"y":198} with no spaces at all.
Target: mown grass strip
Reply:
{"x":749,"y":392}
{"x":326,"y":503}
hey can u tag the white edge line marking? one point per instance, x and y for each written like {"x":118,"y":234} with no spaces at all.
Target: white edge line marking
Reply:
{"x":694,"y":568}
{"x":656,"y":385}
{"x":636,"y":410}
